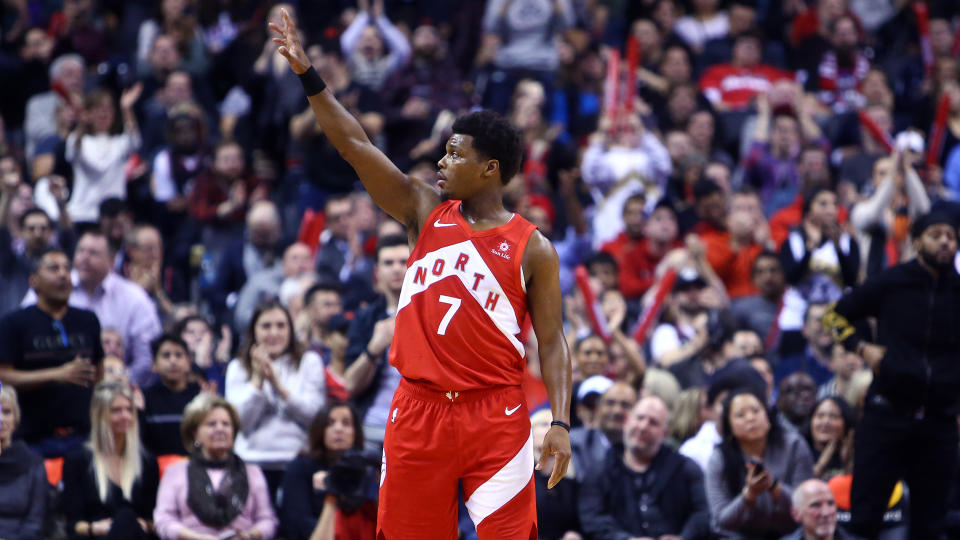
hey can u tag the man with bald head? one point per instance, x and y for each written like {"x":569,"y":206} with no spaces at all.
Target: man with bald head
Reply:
{"x":815,"y":509}
{"x":645,"y":489}
{"x":260,"y":249}
{"x":165,"y":283}
{"x":590,"y":445}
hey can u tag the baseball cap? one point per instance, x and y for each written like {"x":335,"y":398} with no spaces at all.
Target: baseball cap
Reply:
{"x":597,"y":384}
{"x":689,"y":278}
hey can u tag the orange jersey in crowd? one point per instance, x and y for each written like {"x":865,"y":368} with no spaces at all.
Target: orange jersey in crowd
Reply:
{"x":462,"y":304}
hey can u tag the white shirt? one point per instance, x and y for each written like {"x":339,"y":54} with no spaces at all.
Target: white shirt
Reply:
{"x":98,"y":171}
{"x":700,"y":447}
{"x":274,"y":431}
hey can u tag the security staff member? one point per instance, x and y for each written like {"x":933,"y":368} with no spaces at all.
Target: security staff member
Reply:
{"x":908,"y":429}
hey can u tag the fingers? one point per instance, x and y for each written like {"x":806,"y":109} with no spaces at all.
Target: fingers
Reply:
{"x":559,"y":470}
{"x":544,"y":454}
{"x":287,"y":20}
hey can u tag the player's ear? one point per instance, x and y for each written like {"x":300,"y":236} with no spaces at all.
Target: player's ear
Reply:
{"x":492,"y":168}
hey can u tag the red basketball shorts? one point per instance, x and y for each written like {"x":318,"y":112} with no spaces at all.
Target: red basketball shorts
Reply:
{"x":480,"y":437}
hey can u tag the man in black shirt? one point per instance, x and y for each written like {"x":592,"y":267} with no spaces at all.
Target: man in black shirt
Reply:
{"x":909,"y":427}
{"x":51,"y":353}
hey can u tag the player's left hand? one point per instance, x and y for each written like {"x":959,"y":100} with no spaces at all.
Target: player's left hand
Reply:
{"x":289,"y":44}
{"x":556,"y":443}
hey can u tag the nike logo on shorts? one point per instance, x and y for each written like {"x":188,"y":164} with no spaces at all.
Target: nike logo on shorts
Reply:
{"x":439,"y":225}
{"x":508,"y":412}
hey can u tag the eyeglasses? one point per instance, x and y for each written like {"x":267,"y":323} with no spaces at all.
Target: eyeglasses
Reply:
{"x":58,"y":326}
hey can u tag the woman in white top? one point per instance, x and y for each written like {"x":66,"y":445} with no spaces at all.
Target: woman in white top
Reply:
{"x":99,"y":152}
{"x":277,"y":388}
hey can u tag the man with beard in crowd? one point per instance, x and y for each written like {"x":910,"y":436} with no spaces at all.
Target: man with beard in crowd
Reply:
{"x":909,"y":427}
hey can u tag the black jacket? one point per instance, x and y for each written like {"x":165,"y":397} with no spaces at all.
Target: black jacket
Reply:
{"x":673,"y":502}
{"x":918,"y":321}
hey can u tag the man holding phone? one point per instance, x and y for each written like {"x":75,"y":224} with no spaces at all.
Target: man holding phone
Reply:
{"x":51,"y":353}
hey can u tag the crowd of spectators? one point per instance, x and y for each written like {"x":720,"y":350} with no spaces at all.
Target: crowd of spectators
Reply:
{"x":198,"y":298}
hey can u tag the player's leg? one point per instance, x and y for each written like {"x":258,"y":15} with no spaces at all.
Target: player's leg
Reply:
{"x":418,"y":479}
{"x":498,"y":468}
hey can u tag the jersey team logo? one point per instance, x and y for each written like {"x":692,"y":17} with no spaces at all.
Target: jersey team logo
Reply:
{"x":502,"y":250}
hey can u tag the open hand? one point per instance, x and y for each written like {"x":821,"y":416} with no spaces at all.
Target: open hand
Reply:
{"x":130,"y":96}
{"x":289,"y":44}
{"x":556,"y":443}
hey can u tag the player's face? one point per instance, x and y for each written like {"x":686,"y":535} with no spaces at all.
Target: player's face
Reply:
{"x":459,"y":168}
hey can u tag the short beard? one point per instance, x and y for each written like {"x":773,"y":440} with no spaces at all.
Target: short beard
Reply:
{"x":932,"y":262}
{"x":444,"y":196}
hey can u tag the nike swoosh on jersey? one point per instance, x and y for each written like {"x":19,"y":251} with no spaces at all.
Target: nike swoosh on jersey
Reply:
{"x":508,"y":412}
{"x":439,"y":225}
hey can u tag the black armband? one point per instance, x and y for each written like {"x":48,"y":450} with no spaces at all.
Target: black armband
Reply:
{"x":564,"y":425}
{"x":311,"y":81}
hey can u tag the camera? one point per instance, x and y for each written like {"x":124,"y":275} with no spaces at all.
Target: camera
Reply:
{"x":354,"y":479}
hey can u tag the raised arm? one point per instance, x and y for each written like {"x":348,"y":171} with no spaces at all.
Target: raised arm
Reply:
{"x":406,"y":199}
{"x":541,"y":263}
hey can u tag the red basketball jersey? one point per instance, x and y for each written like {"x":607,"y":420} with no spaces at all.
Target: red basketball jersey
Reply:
{"x":462,"y":304}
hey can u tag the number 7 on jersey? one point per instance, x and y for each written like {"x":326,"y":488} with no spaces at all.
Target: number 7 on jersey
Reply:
{"x":454,"y":306}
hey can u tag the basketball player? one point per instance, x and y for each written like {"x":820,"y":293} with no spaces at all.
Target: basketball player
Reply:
{"x":474,"y":272}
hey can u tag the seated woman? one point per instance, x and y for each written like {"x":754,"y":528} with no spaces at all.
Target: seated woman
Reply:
{"x":752,"y":472}
{"x":277,"y":388}
{"x":23,"y":479}
{"x":829,"y":434}
{"x":110,"y":487}
{"x":308,"y":511}
{"x":214,"y":493}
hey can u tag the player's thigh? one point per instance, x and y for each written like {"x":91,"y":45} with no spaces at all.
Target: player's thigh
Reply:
{"x":497,"y":477}
{"x":418,"y":478}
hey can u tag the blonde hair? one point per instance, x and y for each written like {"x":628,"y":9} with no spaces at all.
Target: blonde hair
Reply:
{"x":685,"y":415}
{"x":661,"y":383}
{"x":198,"y":409}
{"x":9,"y":396}
{"x":103,"y":444}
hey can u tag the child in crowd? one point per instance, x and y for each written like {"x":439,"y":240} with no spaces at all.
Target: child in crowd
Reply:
{"x":165,"y":400}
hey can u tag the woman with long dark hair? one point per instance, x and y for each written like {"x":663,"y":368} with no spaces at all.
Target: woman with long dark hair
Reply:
{"x":828,"y":433}
{"x":752,"y":472}
{"x":308,"y":509}
{"x":277,"y":387}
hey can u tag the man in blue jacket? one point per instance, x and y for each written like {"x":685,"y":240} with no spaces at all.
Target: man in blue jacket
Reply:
{"x":908,"y":428}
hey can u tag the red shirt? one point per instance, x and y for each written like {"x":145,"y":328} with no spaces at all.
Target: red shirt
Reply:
{"x":462,"y":304}
{"x":736,"y":86}
{"x":791,"y":216}
{"x":636,"y":263}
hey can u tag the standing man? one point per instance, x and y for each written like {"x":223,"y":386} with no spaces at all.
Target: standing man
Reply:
{"x":909,"y":427}
{"x":51,"y":353}
{"x":474,"y":272}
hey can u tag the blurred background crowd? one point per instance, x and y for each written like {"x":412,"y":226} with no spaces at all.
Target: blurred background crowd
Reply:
{"x":719,"y":171}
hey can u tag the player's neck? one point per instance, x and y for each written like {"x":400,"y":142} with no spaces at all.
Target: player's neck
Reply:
{"x":485,"y":211}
